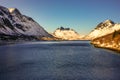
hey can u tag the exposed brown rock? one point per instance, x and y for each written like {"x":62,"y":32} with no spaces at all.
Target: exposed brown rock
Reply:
{"x":110,"y":41}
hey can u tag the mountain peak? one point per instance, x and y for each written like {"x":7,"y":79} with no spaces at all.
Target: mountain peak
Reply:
{"x":62,"y":28}
{"x":11,"y":9}
{"x":106,"y":23}
{"x":14,"y":10}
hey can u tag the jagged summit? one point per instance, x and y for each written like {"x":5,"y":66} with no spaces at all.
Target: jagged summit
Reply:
{"x":62,"y":28}
{"x":106,"y":23}
{"x":66,"y":29}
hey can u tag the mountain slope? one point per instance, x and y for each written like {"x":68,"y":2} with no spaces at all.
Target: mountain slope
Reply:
{"x":102,"y":29}
{"x":111,"y":37}
{"x":13,"y":23}
{"x":67,"y":34}
{"x":110,"y":41}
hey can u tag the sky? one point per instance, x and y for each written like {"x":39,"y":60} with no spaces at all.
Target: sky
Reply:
{"x":80,"y":15}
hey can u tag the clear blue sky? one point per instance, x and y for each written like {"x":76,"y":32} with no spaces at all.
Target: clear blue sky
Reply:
{"x":80,"y":15}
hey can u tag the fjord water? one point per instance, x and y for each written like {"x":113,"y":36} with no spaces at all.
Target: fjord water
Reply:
{"x":60,"y":60}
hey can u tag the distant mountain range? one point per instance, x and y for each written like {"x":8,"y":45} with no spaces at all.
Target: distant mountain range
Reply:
{"x":14,"y":26}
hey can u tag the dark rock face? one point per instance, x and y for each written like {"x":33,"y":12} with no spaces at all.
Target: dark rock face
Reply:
{"x":13,"y":23}
{"x":62,"y":28}
{"x":4,"y":37}
{"x":7,"y":23}
{"x":107,"y":23}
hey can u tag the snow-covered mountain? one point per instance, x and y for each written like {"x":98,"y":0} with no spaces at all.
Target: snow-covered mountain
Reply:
{"x":67,"y":34}
{"x":13,"y":23}
{"x":102,"y":29}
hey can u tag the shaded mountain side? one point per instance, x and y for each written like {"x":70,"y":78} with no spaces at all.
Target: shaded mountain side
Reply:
{"x":4,"y":37}
{"x":110,"y":41}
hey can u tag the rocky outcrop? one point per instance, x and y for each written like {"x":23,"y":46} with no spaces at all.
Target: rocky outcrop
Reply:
{"x":14,"y":24}
{"x":66,"y":34}
{"x":102,"y":29}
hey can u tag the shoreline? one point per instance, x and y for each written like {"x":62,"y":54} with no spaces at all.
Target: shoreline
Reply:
{"x":106,"y":47}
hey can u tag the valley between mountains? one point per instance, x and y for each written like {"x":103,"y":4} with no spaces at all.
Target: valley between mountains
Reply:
{"x":15,"y":26}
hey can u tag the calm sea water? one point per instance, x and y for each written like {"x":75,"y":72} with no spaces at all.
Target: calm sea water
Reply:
{"x":65,"y":60}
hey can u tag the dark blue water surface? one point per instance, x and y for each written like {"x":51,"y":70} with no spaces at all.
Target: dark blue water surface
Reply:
{"x":65,"y":60}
